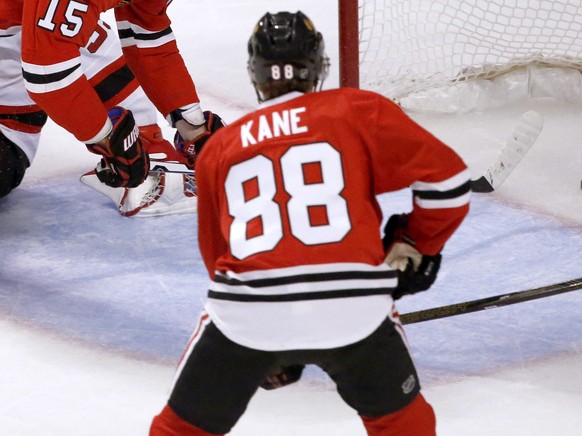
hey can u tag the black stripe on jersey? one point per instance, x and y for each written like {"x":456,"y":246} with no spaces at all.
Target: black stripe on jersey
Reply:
{"x":37,"y":119}
{"x":444,"y":195}
{"x":129,"y":33}
{"x":299,"y":296}
{"x":310,"y":278}
{"x":152,"y":36}
{"x":125,"y":33}
{"x":114,"y":83}
{"x":48,"y":78}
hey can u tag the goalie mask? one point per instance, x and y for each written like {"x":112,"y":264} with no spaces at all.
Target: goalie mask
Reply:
{"x":286,"y":53}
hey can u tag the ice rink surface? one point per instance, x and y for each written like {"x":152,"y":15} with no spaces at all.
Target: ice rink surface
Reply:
{"x":95,"y":309}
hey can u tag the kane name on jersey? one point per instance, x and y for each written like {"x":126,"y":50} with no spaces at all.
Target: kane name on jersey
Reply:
{"x":285,"y":122}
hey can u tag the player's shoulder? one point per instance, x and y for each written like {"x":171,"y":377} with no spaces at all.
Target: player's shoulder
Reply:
{"x":348,"y":97}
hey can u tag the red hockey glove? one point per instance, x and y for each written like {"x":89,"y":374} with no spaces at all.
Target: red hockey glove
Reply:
{"x":125,"y":161}
{"x":416,"y":271}
{"x":283,"y":377}
{"x":191,"y":149}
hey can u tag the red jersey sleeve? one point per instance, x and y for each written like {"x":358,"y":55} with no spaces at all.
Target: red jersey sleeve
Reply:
{"x":52,"y":33}
{"x":152,"y":53}
{"x":406,"y":155}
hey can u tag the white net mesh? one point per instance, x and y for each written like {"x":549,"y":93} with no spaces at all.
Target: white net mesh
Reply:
{"x":408,"y":46}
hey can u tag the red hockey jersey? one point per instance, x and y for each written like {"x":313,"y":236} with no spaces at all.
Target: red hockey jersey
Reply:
{"x":289,"y":224}
{"x":54,"y":30}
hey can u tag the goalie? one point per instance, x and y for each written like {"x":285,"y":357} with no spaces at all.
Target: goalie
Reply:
{"x":73,"y":57}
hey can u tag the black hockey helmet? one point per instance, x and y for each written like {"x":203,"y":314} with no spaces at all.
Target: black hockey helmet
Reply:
{"x":285,"y":48}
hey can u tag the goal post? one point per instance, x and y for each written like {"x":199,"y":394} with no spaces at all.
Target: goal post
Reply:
{"x":452,"y":55}
{"x":349,"y":41}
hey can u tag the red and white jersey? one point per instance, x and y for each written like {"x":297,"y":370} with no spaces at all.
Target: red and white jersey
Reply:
{"x":289,"y":224}
{"x":103,"y":66}
{"x":53,"y":35}
{"x":21,"y":120}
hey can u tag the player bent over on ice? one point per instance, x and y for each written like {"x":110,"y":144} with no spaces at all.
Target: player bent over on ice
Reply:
{"x":22,"y":121}
{"x":71,"y":68}
{"x":289,"y":230}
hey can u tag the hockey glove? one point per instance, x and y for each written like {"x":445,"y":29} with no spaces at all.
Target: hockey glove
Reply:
{"x":286,"y":375}
{"x":125,"y":162}
{"x":191,"y":149}
{"x":416,"y":271}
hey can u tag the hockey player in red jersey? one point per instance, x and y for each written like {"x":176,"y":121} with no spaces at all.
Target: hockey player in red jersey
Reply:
{"x":289,"y":230}
{"x":106,"y":71}
{"x":54,"y":31}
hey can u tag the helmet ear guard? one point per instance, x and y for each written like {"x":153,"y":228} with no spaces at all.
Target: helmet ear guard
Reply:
{"x":286,"y":53}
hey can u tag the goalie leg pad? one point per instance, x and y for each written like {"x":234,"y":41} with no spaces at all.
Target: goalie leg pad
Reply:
{"x":160,"y":194}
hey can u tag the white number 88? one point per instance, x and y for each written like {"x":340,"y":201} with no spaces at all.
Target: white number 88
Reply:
{"x":287,"y":71}
{"x":303,"y":195}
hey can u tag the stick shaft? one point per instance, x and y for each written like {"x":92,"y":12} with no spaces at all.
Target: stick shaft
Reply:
{"x":491,"y":302}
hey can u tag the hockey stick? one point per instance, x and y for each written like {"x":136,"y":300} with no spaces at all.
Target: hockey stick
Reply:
{"x":522,"y":138}
{"x":491,"y":302}
{"x":169,"y":167}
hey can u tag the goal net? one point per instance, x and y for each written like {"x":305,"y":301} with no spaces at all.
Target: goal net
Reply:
{"x":457,"y":55}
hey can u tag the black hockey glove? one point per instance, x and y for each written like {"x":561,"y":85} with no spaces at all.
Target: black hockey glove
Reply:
{"x":416,"y":271}
{"x":286,"y":375}
{"x":125,"y":161}
{"x":416,"y":279}
{"x":191,"y":149}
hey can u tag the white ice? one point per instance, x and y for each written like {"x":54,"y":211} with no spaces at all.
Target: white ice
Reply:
{"x":96,"y":308}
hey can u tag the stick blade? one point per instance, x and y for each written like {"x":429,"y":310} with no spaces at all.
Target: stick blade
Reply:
{"x":481,"y":185}
{"x":516,"y":147}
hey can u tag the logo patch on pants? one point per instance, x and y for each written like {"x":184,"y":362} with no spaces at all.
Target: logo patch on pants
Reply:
{"x":409,"y":384}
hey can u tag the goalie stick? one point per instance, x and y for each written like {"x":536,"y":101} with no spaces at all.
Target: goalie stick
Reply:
{"x":169,"y":167}
{"x":491,"y":302}
{"x":522,"y":138}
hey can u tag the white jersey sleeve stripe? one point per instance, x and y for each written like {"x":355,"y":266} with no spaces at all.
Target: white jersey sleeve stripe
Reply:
{"x":446,"y":185}
{"x":132,"y":34}
{"x":450,"y":193}
{"x":442,"y":204}
{"x":52,"y":68}
{"x":47,"y":78}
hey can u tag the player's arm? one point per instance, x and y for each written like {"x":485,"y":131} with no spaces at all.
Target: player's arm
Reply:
{"x":152,"y":53}
{"x":406,"y":155}
{"x":211,"y":224}
{"x":52,"y":71}
{"x":53,"y":33}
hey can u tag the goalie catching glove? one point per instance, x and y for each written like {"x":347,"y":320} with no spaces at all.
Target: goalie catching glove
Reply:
{"x":125,"y":162}
{"x":191,"y":149}
{"x":416,"y":271}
